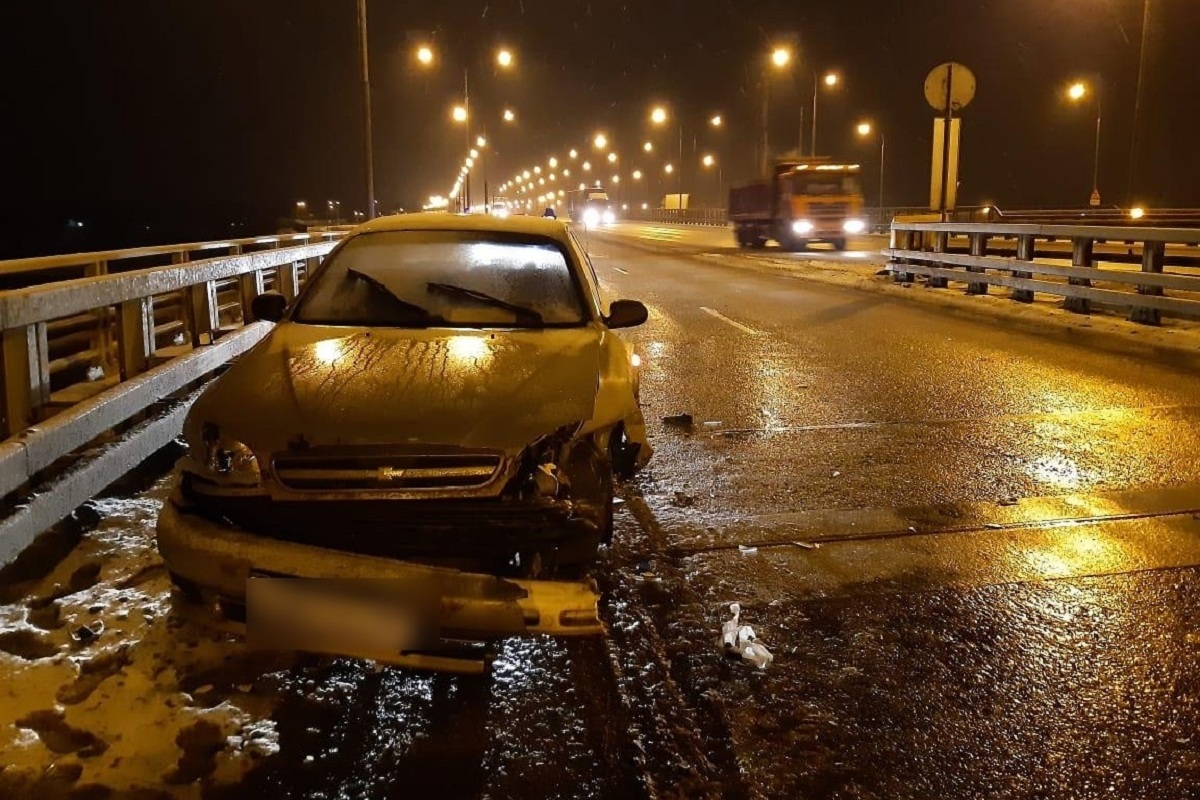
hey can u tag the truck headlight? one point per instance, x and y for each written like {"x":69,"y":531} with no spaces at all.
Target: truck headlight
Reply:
{"x":854,"y":226}
{"x":591,"y":217}
{"x":802,"y":226}
{"x":608,"y":217}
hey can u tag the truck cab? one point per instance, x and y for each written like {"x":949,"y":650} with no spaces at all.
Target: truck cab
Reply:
{"x":815,"y":200}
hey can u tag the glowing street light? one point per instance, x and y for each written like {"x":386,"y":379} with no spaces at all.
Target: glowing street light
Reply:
{"x":474,"y":153}
{"x":668,"y":169}
{"x":553,"y":162}
{"x":525,"y":174}
{"x":659,"y":115}
{"x":637,"y":175}
{"x":600,"y":141}
{"x":612,"y":158}
{"x":509,"y":115}
{"x":425,"y":55}
{"x":832,"y":79}
{"x":781,"y":57}
{"x":504,"y":57}
{"x":537,"y":170}
{"x":582,"y":186}
{"x":459,"y":114}
{"x":574,"y":153}
{"x":708,"y":161}
{"x":648,"y":147}
{"x":566,"y":173}
{"x":616,"y":179}
{"x":480,"y":141}
{"x":587,"y":166}
{"x":716,"y":121}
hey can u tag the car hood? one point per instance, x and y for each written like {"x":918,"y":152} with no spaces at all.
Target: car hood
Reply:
{"x":309,"y":385}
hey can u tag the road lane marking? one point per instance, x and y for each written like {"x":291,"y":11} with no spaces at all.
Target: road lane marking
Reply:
{"x":728,"y":321}
{"x":618,"y":269}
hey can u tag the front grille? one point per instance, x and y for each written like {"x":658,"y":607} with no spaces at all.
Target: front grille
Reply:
{"x":385,"y":472}
{"x":822,"y":210}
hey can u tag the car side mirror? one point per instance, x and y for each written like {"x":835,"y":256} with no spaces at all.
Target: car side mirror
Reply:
{"x":270,"y":306}
{"x":626,"y":314}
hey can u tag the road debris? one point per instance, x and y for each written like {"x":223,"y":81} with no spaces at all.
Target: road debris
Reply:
{"x":807,"y":545}
{"x":683,"y":500}
{"x":995,"y":526}
{"x":85,"y":634}
{"x":713,"y":424}
{"x":678,"y":420}
{"x":739,"y":639}
{"x":747,"y":550}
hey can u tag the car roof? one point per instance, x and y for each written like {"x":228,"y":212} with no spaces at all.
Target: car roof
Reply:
{"x":443,"y":221}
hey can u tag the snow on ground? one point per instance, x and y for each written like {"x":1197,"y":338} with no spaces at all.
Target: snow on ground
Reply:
{"x":108,"y":682}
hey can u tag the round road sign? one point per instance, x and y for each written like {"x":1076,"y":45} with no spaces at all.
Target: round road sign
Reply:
{"x":940,"y":89}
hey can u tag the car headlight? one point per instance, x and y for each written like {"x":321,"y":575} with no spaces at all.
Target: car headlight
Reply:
{"x":500,"y":212}
{"x":609,"y":217}
{"x":802,"y":226}
{"x":224,"y":461}
{"x":591,"y":217}
{"x":854,"y":226}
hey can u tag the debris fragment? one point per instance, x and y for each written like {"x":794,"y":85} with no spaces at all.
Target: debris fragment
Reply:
{"x":836,"y":473}
{"x":747,"y":550}
{"x":683,"y":500}
{"x":739,"y":639}
{"x":678,"y":420}
{"x":993,"y":526}
{"x":807,"y":545}
{"x":88,"y":633}
{"x":712,"y":424}
{"x":911,"y":529}
{"x":1008,"y":501}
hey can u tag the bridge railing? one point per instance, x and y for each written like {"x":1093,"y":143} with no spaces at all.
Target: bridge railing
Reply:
{"x":126,"y":344}
{"x":1003,"y":255}
{"x":687,"y":216}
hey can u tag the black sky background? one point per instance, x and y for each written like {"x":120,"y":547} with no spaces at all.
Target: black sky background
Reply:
{"x":165,"y":121}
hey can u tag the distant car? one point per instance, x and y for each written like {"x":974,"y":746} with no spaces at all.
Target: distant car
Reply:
{"x":549,"y":212}
{"x":446,"y":404}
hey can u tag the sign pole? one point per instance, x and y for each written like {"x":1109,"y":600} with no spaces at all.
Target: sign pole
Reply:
{"x":946,"y":127}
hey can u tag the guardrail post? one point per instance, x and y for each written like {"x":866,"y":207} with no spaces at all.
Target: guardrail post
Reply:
{"x":1153,"y":255}
{"x":101,"y":334}
{"x":25,"y":374}
{"x":1081,"y":256}
{"x":135,"y":336}
{"x":1025,"y":252}
{"x":940,"y":243}
{"x":250,"y":286}
{"x":902,"y":240}
{"x":287,"y":280}
{"x":201,"y":312}
{"x":979,"y":242}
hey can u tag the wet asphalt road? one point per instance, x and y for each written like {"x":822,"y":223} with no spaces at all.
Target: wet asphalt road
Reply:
{"x":1003,"y":602}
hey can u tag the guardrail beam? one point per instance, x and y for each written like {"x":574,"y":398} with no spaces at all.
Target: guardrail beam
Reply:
{"x":1025,"y":251}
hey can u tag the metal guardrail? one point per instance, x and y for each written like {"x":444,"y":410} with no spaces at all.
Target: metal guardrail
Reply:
{"x":147,"y":337}
{"x":688,"y":216}
{"x":925,"y":249}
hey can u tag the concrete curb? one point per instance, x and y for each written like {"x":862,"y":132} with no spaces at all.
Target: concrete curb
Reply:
{"x":1177,"y":343}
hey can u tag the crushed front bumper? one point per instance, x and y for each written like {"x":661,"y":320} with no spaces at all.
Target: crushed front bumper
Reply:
{"x":219,"y":560}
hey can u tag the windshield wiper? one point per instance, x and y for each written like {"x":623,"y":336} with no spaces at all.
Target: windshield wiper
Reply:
{"x":382,"y":288}
{"x":483,"y":297}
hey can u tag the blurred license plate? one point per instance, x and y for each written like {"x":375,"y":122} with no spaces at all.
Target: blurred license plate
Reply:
{"x":319,"y":616}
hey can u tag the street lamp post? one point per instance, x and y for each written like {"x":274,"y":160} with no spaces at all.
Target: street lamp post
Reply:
{"x":865,"y":129}
{"x":1077,"y":92}
{"x":368,"y":150}
{"x":780,"y":57}
{"x":831,"y":80}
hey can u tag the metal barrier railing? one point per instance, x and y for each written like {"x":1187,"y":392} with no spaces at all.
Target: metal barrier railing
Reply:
{"x":686,"y":216}
{"x":143,"y":336}
{"x":1097,"y":254}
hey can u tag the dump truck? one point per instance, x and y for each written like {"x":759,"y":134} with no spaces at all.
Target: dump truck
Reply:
{"x":804,"y":201}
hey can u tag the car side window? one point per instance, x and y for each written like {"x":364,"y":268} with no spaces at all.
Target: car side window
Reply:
{"x":589,"y":274}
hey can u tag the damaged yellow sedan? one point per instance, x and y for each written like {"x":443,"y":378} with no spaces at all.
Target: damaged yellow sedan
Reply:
{"x":444,"y":410}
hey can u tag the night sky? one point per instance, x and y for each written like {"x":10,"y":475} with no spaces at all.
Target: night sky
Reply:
{"x":164,"y":121}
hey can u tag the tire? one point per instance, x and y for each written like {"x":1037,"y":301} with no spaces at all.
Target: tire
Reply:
{"x":622,"y":454}
{"x":839,"y":244}
{"x":758,"y":242}
{"x":187,"y":590}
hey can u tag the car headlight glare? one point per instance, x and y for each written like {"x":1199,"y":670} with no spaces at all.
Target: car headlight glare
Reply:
{"x":802,"y":226}
{"x":854,"y":226}
{"x":591,"y":217}
{"x":609,"y":217}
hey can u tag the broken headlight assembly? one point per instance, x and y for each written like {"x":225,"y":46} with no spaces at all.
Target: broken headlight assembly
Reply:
{"x":223,"y":461}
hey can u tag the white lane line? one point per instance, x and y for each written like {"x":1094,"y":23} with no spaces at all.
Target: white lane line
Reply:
{"x":618,"y":269}
{"x":726,"y":319}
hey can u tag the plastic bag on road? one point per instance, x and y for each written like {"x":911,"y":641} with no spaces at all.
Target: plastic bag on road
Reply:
{"x":739,"y":639}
